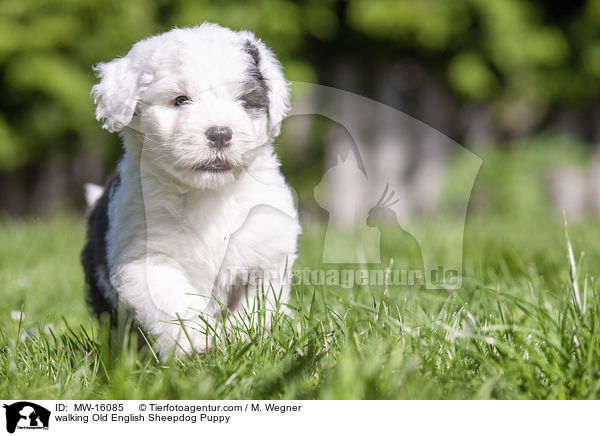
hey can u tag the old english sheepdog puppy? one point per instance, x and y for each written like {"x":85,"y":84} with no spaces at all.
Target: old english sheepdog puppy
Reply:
{"x":197,"y":222}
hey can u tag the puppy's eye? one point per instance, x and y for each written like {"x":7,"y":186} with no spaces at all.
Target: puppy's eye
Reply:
{"x":182,"y":99}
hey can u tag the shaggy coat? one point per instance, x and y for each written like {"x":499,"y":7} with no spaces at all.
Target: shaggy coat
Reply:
{"x":197,"y":221}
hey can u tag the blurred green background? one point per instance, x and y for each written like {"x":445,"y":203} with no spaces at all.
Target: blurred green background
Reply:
{"x":495,"y":75}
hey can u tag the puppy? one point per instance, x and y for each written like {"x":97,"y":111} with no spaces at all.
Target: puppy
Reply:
{"x":197,"y":222}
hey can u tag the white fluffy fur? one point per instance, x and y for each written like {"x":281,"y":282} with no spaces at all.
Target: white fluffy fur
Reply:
{"x":180,"y":237}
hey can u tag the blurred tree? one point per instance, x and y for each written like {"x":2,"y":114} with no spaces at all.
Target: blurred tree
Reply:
{"x":522,"y":57}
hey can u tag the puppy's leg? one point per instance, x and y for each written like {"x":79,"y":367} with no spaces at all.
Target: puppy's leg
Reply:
{"x":259,"y":258}
{"x":167,"y":305}
{"x":262,"y":296}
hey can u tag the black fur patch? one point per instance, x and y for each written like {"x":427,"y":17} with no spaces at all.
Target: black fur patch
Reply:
{"x":255,"y":90}
{"x":94,"y":257}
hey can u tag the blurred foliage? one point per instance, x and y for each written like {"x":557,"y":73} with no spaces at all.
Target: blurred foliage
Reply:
{"x":499,"y":51}
{"x":512,"y":183}
{"x":544,"y":51}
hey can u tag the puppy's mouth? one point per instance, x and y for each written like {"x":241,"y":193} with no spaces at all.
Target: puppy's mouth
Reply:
{"x":216,"y":165}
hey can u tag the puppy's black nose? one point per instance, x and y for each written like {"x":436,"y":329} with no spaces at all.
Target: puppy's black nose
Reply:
{"x":218,"y":136}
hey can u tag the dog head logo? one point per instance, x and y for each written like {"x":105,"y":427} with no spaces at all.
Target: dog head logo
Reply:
{"x":26,"y":415}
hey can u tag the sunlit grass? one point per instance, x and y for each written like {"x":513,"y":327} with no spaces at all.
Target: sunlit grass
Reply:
{"x":514,"y":330}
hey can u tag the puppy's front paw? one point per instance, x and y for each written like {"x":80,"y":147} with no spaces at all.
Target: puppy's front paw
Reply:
{"x":183,"y":344}
{"x":190,"y":342}
{"x":199,"y":345}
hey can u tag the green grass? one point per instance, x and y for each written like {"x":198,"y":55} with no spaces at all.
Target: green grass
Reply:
{"x":514,"y":330}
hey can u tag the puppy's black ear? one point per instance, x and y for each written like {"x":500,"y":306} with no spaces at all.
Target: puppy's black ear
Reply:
{"x":272,"y":72}
{"x":121,"y":83}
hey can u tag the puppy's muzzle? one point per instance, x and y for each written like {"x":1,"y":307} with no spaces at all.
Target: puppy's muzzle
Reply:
{"x":218,"y":136}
